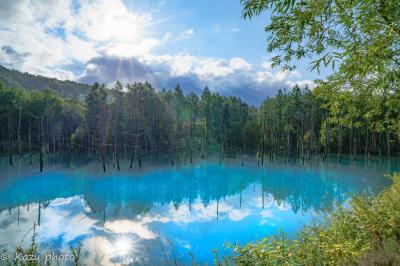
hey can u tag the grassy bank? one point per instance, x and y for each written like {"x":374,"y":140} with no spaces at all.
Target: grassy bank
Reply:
{"x":367,"y":233}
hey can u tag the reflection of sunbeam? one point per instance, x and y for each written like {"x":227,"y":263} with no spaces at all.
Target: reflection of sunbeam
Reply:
{"x":124,"y":250}
{"x":118,"y":249}
{"x":123,"y":246}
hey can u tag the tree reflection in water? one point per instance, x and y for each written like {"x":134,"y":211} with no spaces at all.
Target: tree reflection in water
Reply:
{"x":134,"y":216}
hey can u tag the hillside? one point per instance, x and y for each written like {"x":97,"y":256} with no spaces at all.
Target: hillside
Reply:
{"x":15,"y":79}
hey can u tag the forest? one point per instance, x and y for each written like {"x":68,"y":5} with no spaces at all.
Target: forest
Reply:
{"x":139,"y":121}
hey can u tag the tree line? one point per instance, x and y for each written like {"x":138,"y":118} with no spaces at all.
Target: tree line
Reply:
{"x":138,"y":121}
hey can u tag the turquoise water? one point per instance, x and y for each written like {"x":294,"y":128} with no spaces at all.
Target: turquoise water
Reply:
{"x":159,"y":214}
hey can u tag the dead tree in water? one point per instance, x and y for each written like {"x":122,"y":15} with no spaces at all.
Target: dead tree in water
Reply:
{"x":30,"y":142}
{"x":132,"y":157}
{"x":103,"y":161}
{"x":138,"y":149}
{"x":101,"y":148}
{"x":171,"y":147}
{"x":192,"y":123}
{"x":10,"y":143}
{"x":263,"y":142}
{"x":19,"y":131}
{"x":41,"y":144}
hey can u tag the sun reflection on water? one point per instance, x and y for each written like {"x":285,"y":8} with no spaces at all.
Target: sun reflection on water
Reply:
{"x":123,"y":249}
{"x":123,"y":246}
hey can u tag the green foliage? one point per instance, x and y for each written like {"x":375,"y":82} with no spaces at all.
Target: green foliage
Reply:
{"x":69,"y":89}
{"x":359,"y":102}
{"x":30,"y":120}
{"x":360,"y":36}
{"x":367,"y":233}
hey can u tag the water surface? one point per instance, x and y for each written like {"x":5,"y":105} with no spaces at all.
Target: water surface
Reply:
{"x":159,"y":214}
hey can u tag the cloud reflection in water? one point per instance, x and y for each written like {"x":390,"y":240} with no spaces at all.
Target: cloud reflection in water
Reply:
{"x":120,"y":219}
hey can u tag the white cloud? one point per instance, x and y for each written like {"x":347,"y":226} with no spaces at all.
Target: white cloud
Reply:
{"x":110,"y":20}
{"x":132,"y":227}
{"x":180,"y":64}
{"x":267,"y":65}
{"x":167,"y":36}
{"x":132,"y":49}
{"x":238,"y":63}
{"x":303,"y":83}
{"x":186,"y":34}
{"x":27,"y":26}
{"x":266,"y":213}
{"x":205,"y":67}
{"x":42,"y":37}
{"x":238,"y":215}
{"x":60,"y":74}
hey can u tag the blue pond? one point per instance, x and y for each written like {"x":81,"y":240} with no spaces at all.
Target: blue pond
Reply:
{"x":159,"y":214}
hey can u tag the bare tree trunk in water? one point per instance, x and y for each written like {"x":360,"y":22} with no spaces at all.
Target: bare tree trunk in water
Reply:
{"x":243,"y":155}
{"x":30,"y":142}
{"x":381,"y":148}
{"x":101,"y":148}
{"x":302,"y":138}
{"x":271,"y":147}
{"x":351,"y":141}
{"x":286,"y":146}
{"x":355,"y":145}
{"x":220,"y":149}
{"x":133,"y":153}
{"x":19,"y":131}
{"x":39,"y":212}
{"x":327,"y":137}
{"x":103,"y":160}
{"x":41,"y":144}
{"x":217,"y":210}
{"x":243,"y":144}
{"x":240,"y":199}
{"x":263,"y":143}
{"x":366,"y":144}
{"x":340,"y":143}
{"x":388,"y":142}
{"x":192,"y":122}
{"x":220,"y":153}
{"x":132,"y":157}
{"x":10,"y":144}
{"x":140,"y":157}
{"x":262,"y":195}
{"x":171,"y":150}
{"x":117,"y":158}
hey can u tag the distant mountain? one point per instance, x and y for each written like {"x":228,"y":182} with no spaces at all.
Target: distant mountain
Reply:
{"x":14,"y":79}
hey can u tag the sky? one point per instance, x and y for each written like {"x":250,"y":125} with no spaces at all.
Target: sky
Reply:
{"x":166,"y":42}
